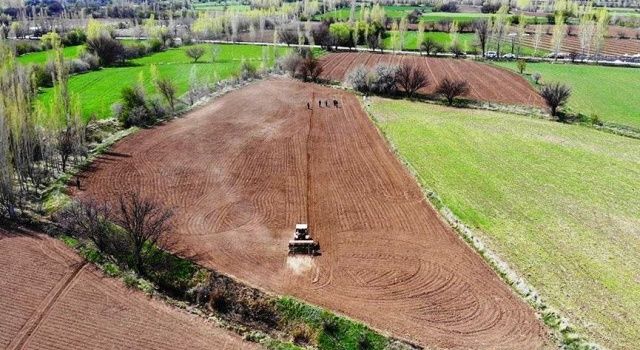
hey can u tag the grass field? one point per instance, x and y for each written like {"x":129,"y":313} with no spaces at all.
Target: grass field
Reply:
{"x":444,"y":39}
{"x":42,"y":56}
{"x":560,"y":203}
{"x":391,"y":11}
{"x":609,"y":92}
{"x":467,"y":40}
{"x":99,"y":90}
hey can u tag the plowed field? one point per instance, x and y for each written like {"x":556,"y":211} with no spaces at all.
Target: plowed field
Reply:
{"x":51,"y":299}
{"x":612,"y":46}
{"x":243,"y":170}
{"x":486,"y":83}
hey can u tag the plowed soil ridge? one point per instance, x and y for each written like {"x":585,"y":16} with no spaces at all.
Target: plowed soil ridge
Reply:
{"x":487,"y":83}
{"x":387,"y":259}
{"x":50,"y":299}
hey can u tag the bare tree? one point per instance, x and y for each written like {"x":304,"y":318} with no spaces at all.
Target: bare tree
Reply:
{"x":145,"y":223}
{"x":288,"y":36}
{"x":429,"y":45}
{"x":482,"y":30}
{"x":310,"y":68}
{"x":411,"y":78}
{"x":452,"y":89}
{"x":90,"y":220}
{"x":555,"y":95}
{"x":194,"y":52}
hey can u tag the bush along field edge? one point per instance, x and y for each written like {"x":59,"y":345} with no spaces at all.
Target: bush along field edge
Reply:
{"x":561,"y":330}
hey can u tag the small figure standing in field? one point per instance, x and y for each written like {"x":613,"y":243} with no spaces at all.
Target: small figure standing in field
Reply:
{"x":308,"y":105}
{"x":335,"y":103}
{"x":320,"y":103}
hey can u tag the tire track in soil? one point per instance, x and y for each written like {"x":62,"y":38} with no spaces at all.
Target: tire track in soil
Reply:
{"x":31,"y":326}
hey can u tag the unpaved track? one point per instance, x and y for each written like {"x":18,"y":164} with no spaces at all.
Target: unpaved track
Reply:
{"x":50,"y":299}
{"x":240,"y":173}
{"x":486,"y":83}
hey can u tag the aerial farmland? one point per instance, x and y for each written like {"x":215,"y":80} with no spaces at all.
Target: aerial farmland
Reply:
{"x":319,"y":175}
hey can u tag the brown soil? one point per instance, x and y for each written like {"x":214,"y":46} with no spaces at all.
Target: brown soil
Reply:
{"x":487,"y":83}
{"x":612,"y":46}
{"x":243,"y":170}
{"x":51,"y":299}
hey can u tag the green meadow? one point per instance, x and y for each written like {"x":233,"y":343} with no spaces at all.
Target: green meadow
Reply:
{"x":611,"y":93}
{"x":560,"y":203}
{"x":99,"y":90}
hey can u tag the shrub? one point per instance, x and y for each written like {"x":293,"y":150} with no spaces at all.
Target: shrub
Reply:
{"x":92,"y":60}
{"x":302,"y":334}
{"x":248,"y":71}
{"x":310,"y":69}
{"x":383,"y":79}
{"x":42,"y":75}
{"x":168,"y":90}
{"x":194,"y":52}
{"x":358,"y":80}
{"x":456,"y":49}
{"x":109,"y":50}
{"x":330,"y":325}
{"x":555,"y":95}
{"x":364,"y":343}
{"x":447,"y":7}
{"x":134,"y":110}
{"x":536,"y":77}
{"x":135,"y":50}
{"x":74,"y":37}
{"x":380,"y":80}
{"x":452,"y":88}
{"x":78,"y":66}
{"x":155,"y":45}
{"x":23,"y":47}
{"x":290,"y":63}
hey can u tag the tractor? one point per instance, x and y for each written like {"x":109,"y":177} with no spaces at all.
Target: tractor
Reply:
{"x":302,"y":243}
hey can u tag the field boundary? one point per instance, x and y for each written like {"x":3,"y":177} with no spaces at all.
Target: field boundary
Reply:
{"x":559,"y":326}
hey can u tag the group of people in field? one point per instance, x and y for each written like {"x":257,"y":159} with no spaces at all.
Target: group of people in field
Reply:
{"x":326,"y":104}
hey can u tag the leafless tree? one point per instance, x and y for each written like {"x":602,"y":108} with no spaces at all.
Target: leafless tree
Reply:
{"x":145,"y":223}
{"x":555,"y":95}
{"x":452,"y":89}
{"x":482,"y":30}
{"x":310,"y":68}
{"x":90,"y":220}
{"x":288,"y":36}
{"x":411,"y":78}
{"x":429,"y":45}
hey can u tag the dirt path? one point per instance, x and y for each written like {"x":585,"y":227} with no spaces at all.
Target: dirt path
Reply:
{"x":50,"y":299}
{"x":242,"y":171}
